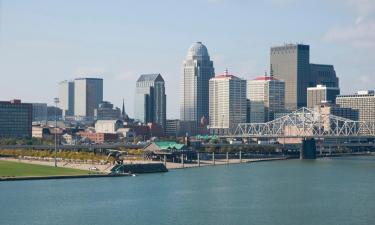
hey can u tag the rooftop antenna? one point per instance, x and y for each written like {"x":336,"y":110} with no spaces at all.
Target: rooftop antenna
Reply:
{"x":226,"y":71}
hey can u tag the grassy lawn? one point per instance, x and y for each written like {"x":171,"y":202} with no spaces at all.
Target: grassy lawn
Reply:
{"x":15,"y":169}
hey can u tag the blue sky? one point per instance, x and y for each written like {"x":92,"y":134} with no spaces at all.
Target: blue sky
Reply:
{"x":44,"y":42}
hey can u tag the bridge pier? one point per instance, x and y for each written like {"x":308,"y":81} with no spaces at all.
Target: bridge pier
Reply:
{"x":308,"y":149}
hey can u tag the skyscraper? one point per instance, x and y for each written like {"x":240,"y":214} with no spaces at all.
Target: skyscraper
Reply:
{"x":291,"y":63}
{"x":150,"y":99}
{"x":88,"y":94}
{"x":266,"y":96}
{"x":66,"y":97}
{"x":227,"y":103}
{"x":197,"y":71}
{"x":321,"y":93}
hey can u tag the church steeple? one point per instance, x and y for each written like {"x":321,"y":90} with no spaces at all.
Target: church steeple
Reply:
{"x":123,"y":114}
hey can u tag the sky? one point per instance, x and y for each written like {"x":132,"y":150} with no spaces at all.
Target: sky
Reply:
{"x":43,"y":42}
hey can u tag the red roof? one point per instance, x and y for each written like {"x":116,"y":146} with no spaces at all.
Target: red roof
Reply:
{"x":225,"y":76}
{"x":265,"y":78}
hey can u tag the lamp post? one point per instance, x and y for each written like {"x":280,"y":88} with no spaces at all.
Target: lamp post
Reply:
{"x":56,"y":101}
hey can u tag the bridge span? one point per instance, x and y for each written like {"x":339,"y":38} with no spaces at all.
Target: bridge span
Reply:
{"x":306,"y":126}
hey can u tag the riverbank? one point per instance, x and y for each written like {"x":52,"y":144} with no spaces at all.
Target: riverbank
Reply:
{"x":220,"y":162}
{"x":106,"y":168}
{"x":21,"y":169}
{"x":61,"y":177}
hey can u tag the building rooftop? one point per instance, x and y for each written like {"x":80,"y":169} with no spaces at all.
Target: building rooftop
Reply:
{"x":88,"y":78}
{"x":265,"y":78}
{"x":321,"y":86}
{"x":168,"y":145}
{"x":197,"y":49}
{"x":150,"y":77}
{"x":225,"y":75}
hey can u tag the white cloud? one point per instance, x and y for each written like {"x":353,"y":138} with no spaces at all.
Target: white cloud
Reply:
{"x":360,"y":33}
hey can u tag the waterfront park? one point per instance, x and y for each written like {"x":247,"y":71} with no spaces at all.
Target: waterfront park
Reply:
{"x":19,"y":169}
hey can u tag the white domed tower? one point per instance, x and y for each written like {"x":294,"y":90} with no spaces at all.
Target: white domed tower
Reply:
{"x":197,"y":71}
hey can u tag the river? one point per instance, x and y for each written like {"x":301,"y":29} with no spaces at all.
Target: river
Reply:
{"x":325,"y":191}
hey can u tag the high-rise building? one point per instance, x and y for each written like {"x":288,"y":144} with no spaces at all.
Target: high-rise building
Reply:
{"x":39,"y":112}
{"x":266,"y":96}
{"x":197,"y":71}
{"x":321,"y":93}
{"x":227,"y":103}
{"x":150,"y":99}
{"x":291,"y":63}
{"x":323,"y":75}
{"x":88,"y":94}
{"x":15,"y":119}
{"x":66,"y":97}
{"x":105,"y":111}
{"x":363,"y":101}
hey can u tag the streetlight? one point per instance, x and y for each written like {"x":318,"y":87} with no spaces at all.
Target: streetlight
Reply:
{"x":56,"y":101}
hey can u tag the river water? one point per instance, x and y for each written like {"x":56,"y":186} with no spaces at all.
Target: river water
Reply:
{"x":325,"y":191}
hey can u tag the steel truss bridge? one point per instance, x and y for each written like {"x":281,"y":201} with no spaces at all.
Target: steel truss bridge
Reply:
{"x":306,"y":123}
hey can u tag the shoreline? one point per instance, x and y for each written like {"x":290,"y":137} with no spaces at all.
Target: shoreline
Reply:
{"x":58,"y":177}
{"x":223,"y":162}
{"x":169,"y":165}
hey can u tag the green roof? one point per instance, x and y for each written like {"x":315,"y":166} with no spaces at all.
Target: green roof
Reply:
{"x":168,"y":145}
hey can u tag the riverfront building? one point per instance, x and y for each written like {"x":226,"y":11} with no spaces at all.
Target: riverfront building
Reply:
{"x":227,"y":103}
{"x":197,"y":71}
{"x":266,"y":97}
{"x":15,"y":119}
{"x":88,"y":94}
{"x":150,"y":99}
{"x":66,"y":97}
{"x":363,"y":101}
{"x":321,"y":93}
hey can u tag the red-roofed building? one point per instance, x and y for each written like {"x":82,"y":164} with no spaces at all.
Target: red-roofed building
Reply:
{"x":227,"y":103}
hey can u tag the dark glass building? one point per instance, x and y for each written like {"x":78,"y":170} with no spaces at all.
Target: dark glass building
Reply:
{"x":150,"y":99}
{"x":15,"y":119}
{"x":323,"y":75}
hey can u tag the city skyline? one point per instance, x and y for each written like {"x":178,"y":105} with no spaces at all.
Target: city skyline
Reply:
{"x":52,"y":48}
